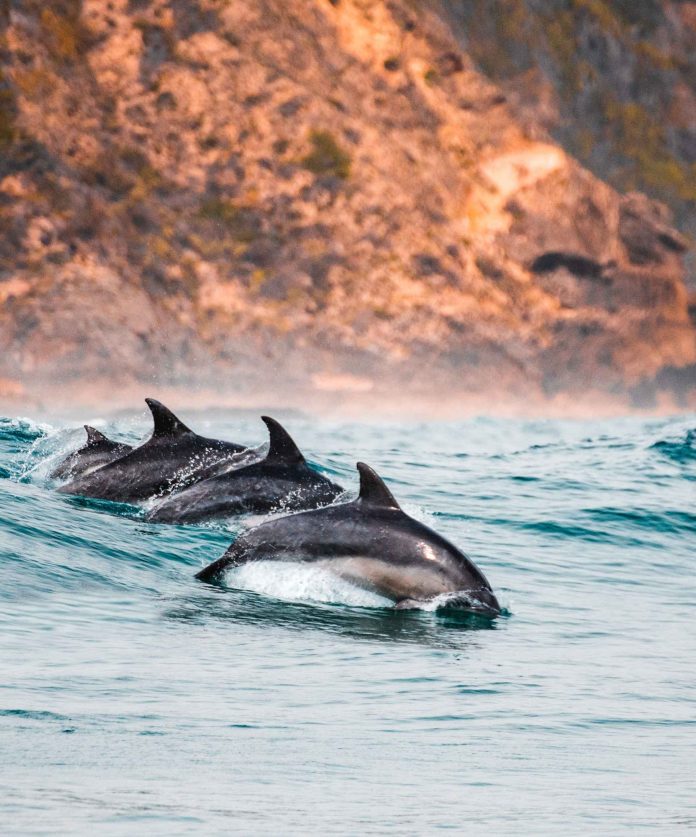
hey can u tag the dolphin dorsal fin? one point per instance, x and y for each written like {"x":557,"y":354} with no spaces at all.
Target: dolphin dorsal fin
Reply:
{"x":166,"y":423}
{"x":94,"y":436}
{"x":282,"y":447}
{"x":373,"y":491}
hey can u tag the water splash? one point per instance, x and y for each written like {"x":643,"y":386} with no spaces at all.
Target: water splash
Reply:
{"x":296,"y":583}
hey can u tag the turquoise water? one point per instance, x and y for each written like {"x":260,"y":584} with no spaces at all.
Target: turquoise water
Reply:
{"x":135,"y":700}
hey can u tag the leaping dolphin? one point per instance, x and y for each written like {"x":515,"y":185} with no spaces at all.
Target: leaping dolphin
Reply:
{"x":173,"y":456}
{"x":282,"y":480}
{"x":97,"y":452}
{"x":372,"y":543}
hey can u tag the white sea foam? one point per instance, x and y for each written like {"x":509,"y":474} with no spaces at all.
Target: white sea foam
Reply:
{"x":297,"y":582}
{"x":46,"y":452}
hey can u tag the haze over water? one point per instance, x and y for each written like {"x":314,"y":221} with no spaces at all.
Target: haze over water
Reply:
{"x":136,"y":700}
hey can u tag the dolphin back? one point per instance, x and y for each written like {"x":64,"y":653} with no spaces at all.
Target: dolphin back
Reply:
{"x":98,"y":451}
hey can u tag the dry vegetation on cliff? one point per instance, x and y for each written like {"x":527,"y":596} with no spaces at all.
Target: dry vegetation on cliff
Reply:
{"x":309,"y":194}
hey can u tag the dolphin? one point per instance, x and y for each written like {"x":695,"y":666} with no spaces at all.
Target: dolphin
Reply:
{"x":282,"y":479}
{"x":173,"y":456}
{"x":97,"y":452}
{"x":372,"y":543}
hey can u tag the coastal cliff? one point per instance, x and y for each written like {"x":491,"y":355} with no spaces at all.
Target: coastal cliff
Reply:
{"x":319,"y":196}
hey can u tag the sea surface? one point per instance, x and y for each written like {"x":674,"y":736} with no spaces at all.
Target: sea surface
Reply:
{"x":135,"y":700}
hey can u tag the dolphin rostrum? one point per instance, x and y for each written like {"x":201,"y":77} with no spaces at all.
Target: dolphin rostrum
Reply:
{"x":97,"y":452}
{"x":173,"y":456}
{"x":372,"y":543}
{"x":282,"y":480}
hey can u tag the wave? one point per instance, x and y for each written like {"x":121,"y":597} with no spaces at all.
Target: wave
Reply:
{"x":21,"y":429}
{"x":681,"y":449}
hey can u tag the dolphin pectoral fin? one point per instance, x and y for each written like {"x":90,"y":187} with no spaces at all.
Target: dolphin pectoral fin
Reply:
{"x":166,"y":423}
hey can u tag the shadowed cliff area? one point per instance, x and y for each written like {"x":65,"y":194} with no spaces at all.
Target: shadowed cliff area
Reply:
{"x":316,"y":200}
{"x":613,"y":80}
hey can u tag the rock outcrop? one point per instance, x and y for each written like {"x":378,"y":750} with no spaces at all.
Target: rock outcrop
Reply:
{"x":310,"y":196}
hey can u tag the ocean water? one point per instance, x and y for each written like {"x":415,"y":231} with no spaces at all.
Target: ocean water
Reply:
{"x":135,"y":700}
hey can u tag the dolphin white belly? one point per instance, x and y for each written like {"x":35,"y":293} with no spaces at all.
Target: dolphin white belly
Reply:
{"x":391,"y":580}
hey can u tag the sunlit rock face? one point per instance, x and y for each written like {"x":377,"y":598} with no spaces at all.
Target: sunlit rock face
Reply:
{"x":311,"y":196}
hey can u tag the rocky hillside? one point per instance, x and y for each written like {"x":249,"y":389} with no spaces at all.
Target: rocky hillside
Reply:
{"x":323,"y":197}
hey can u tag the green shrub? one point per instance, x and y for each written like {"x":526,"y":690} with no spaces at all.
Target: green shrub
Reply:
{"x":241,"y":222}
{"x":7,"y":106}
{"x":603,"y":14}
{"x":326,"y":156}
{"x":654,"y":56}
{"x":63,"y":35}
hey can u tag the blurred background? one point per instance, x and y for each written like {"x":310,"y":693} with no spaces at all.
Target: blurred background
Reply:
{"x":424,"y":207}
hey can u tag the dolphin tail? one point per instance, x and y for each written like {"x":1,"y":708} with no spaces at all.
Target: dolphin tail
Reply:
{"x":213,"y":572}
